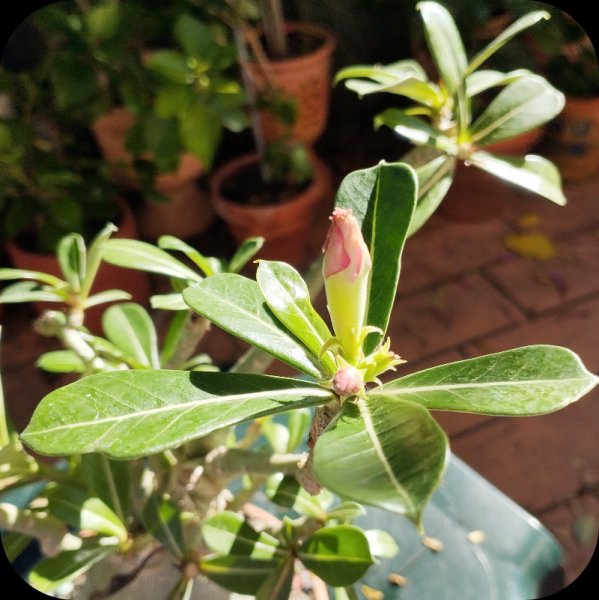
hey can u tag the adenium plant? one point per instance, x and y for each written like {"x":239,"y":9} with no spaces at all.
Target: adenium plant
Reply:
{"x":155,"y":447}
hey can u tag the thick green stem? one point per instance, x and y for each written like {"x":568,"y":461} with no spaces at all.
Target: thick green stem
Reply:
{"x":194,"y":329}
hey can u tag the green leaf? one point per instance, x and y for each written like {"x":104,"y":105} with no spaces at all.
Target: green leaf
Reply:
{"x":285,"y":490}
{"x":61,"y":361}
{"x":338,"y":554}
{"x":381,"y":543}
{"x":277,"y":585}
{"x":526,"y":103}
{"x":208,"y":265}
{"x":127,"y":414}
{"x":162,"y":519}
{"x":444,"y":43}
{"x":30,"y":291}
{"x":505,"y":36}
{"x":133,"y":254}
{"x":201,"y":132}
{"x":230,"y":533}
{"x":172,"y":301}
{"x":385,"y":223}
{"x":526,"y":381}
{"x":385,"y":452}
{"x":383,"y":74}
{"x":287,"y":295}
{"x":415,"y":130}
{"x":102,"y":21}
{"x":131,"y":329}
{"x":17,"y":467}
{"x":235,"y":304}
{"x":240,"y":574}
{"x":422,"y":92}
{"x":50,"y":573}
{"x":14,"y":544}
{"x":194,"y":37}
{"x":481,"y":81}
{"x":172,"y":99}
{"x":171,"y":65}
{"x":76,"y":508}
{"x":244,"y":253}
{"x":110,"y":481}
{"x":107,"y":296}
{"x":51,"y":280}
{"x":94,"y":257}
{"x":346,"y":511}
{"x":531,"y":172}
{"x":176,"y":326}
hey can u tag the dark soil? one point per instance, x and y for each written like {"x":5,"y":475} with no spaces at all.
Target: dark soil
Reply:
{"x":247,"y":187}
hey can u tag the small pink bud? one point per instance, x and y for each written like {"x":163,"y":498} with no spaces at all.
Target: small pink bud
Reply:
{"x":348,"y":381}
{"x":346,"y":270}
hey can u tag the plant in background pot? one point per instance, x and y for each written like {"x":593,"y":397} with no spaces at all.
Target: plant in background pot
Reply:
{"x":162,"y":102}
{"x":439,"y":115}
{"x":568,"y":60}
{"x":275,"y":190}
{"x":165,"y":464}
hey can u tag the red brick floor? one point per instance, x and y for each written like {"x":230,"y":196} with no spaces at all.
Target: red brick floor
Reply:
{"x":462,"y":293}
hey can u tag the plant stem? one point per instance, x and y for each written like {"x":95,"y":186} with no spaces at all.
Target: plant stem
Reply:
{"x":274,"y":27}
{"x":194,"y":329}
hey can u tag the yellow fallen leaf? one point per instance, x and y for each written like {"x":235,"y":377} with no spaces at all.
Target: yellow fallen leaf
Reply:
{"x":530,"y":245}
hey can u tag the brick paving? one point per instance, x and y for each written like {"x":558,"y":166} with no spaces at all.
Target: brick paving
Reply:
{"x":463,"y":293}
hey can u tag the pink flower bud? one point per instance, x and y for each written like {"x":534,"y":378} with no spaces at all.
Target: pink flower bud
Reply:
{"x":348,"y":381}
{"x":346,"y":269}
{"x":344,"y":248}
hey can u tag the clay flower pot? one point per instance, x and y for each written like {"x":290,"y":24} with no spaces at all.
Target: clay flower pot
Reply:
{"x":285,"y":226}
{"x":306,"y":78}
{"x":574,"y":140}
{"x":109,"y":276}
{"x":478,"y":196}
{"x":187,"y":211}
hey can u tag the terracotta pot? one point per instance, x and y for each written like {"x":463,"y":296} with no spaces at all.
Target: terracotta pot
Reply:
{"x":188,"y":210}
{"x":305,"y":78}
{"x":573,"y":143}
{"x":286,"y":226}
{"x":109,"y":276}
{"x":477,"y":196}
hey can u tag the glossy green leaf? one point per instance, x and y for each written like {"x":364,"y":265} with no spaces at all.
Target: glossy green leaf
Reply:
{"x":532,"y":172}
{"x":505,"y":36}
{"x":244,"y":253}
{"x":94,"y":257}
{"x":383,"y":73}
{"x":385,"y":452}
{"x":389,"y":191}
{"x":481,"y":81}
{"x":526,"y":103}
{"x":77,"y":508}
{"x":171,"y":65}
{"x":444,"y":43}
{"x":526,"y":381}
{"x":234,"y":303}
{"x":381,"y":543}
{"x":162,"y":519}
{"x":30,"y":291}
{"x":61,"y":361}
{"x":285,"y":490}
{"x":435,"y":176}
{"x":338,"y":554}
{"x":110,"y":481}
{"x":107,"y":296}
{"x":415,"y":130}
{"x":172,"y":301}
{"x":421,"y":92}
{"x":229,"y":533}
{"x":287,"y":295}
{"x":240,"y":574}
{"x":346,"y":511}
{"x":51,"y":280}
{"x":71,"y":255}
{"x":48,"y":574}
{"x":133,"y":254}
{"x":127,"y":414}
{"x":131,"y":329}
{"x":208,"y":265}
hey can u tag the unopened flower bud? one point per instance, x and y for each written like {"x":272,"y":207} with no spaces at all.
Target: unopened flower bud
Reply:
{"x":348,"y":381}
{"x":346,"y":269}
